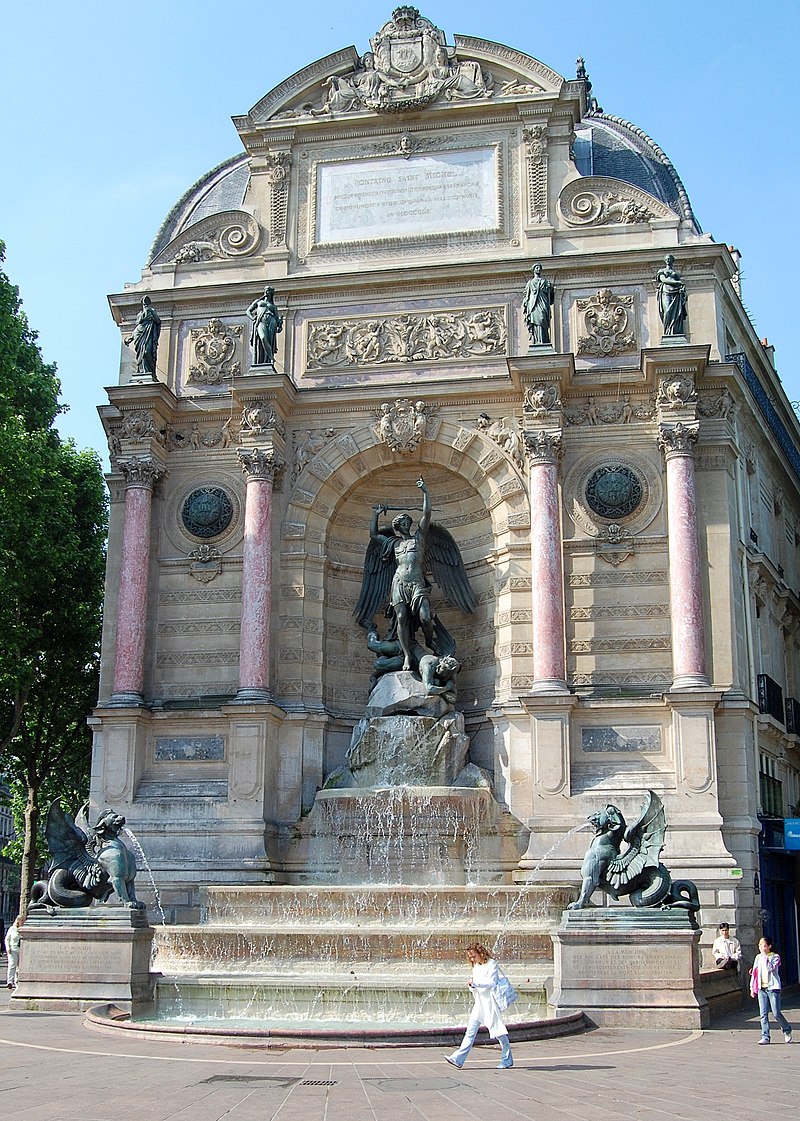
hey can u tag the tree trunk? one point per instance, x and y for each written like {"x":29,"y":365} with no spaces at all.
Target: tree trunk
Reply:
{"x":29,"y":853}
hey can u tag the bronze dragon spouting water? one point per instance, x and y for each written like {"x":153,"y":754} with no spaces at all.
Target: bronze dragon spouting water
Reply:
{"x":637,"y":872}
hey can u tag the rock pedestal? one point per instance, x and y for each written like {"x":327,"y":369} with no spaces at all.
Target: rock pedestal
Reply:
{"x":76,"y":958}
{"x":629,"y":967}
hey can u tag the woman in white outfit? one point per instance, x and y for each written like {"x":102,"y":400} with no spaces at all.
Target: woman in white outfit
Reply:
{"x":485,"y":1010}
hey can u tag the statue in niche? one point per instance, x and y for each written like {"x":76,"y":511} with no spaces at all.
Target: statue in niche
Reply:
{"x":537,"y":304}
{"x":672,"y":300}
{"x":144,"y":339}
{"x":394,"y":568}
{"x":267,"y":323}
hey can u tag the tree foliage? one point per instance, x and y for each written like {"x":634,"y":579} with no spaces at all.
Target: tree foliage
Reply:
{"x":52,"y":543}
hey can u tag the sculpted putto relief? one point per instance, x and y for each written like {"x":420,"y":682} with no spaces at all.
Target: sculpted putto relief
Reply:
{"x":409,"y":67}
{"x":406,"y":338}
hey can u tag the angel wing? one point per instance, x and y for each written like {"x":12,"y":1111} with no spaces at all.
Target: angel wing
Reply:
{"x":67,"y":844}
{"x":645,"y":839}
{"x":379,"y":567}
{"x":443,"y":559}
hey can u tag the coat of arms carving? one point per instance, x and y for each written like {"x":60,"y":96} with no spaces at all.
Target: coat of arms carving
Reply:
{"x":214,"y":353}
{"x":404,"y":425}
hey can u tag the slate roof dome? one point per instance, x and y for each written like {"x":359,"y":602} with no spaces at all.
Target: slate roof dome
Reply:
{"x":613,"y":147}
{"x":223,"y":188}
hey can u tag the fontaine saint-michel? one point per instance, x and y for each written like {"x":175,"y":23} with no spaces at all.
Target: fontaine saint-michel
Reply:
{"x":437,"y":258}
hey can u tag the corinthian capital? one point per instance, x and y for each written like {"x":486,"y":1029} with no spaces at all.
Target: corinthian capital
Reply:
{"x":543,"y":447}
{"x":677,"y":439}
{"x":259,"y":464}
{"x":141,"y":472}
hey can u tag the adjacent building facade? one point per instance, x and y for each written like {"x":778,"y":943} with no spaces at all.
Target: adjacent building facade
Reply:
{"x":627,"y":502}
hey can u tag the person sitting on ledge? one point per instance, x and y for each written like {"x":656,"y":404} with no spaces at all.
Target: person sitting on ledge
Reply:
{"x":726,"y":950}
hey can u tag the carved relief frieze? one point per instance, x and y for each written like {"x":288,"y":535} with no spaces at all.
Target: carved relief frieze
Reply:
{"x":465,"y":333}
{"x":403,"y":425}
{"x":535,"y":140}
{"x":507,"y":434}
{"x":607,"y":320}
{"x":719,"y":404}
{"x":620,"y":611}
{"x":625,"y":410}
{"x":227,"y":236}
{"x":632,"y":677}
{"x":619,"y":645}
{"x":308,"y":444}
{"x":198,"y":439}
{"x":603,"y":201}
{"x":616,"y":579}
{"x":215,"y":349}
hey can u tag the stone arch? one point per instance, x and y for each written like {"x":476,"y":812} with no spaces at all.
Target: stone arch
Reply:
{"x":322,"y":550}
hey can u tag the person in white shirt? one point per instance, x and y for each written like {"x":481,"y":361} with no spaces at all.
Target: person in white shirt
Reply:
{"x":726,"y":950}
{"x":485,"y":1009}
{"x":12,"y":942}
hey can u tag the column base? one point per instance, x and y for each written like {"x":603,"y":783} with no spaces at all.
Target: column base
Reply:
{"x":251,"y":696}
{"x":549,"y":686}
{"x":125,"y":700}
{"x":689,"y":681}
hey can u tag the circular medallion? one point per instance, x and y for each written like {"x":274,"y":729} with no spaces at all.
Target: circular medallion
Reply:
{"x":613,"y":491}
{"x":207,"y":512}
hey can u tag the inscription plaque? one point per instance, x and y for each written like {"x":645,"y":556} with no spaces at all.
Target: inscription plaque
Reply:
{"x":446,"y":192}
{"x":195,"y":748}
{"x":644,"y":738}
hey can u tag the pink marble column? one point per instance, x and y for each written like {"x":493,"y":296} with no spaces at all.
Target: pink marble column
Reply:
{"x":549,"y":664}
{"x":260,"y":470}
{"x":685,"y":585}
{"x":141,"y":477}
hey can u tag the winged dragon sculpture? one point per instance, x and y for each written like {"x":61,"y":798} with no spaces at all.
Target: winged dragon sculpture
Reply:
{"x":637,"y":872}
{"x":395,"y":577}
{"x":88,"y":863}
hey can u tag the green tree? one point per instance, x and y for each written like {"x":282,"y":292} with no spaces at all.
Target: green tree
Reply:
{"x":52,"y":553}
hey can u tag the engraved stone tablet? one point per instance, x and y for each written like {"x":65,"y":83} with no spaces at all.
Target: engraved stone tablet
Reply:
{"x":364,"y":200}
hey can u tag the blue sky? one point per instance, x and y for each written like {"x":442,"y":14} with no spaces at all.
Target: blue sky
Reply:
{"x":115,"y":110}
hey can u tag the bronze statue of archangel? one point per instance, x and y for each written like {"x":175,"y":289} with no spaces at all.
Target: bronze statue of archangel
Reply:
{"x":395,"y":570}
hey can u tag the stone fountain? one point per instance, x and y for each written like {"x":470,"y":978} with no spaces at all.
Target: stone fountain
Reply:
{"x":403,"y":860}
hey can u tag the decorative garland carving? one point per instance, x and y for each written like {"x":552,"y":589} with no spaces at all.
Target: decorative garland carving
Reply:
{"x":606,"y":319}
{"x":277,"y":175}
{"x":406,"y":338}
{"x":623,"y":411}
{"x":404,"y":425}
{"x":214,"y":351}
{"x":535,"y":139}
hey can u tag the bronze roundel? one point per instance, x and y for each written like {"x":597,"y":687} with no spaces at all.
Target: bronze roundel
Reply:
{"x":614,"y":491}
{"x":207,"y":512}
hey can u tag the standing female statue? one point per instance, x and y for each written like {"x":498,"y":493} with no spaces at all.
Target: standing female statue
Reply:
{"x":266,"y":325}
{"x":536,"y":304}
{"x":672,"y":303}
{"x":145,"y":338}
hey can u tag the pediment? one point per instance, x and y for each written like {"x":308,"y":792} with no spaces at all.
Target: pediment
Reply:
{"x":409,"y":68}
{"x":224,"y":236}
{"x":596,"y":200}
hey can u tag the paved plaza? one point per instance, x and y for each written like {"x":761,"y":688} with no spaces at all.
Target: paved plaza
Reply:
{"x":51,"y":1067}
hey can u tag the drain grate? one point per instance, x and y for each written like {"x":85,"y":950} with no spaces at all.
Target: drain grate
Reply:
{"x":252,"y":1079}
{"x":318,"y":1082}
